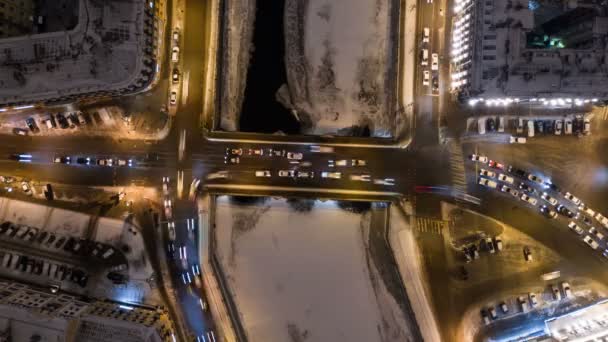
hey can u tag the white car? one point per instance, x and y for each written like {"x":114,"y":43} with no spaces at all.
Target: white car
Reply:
{"x":385,"y":181}
{"x":548,"y":198}
{"x":425,"y":57}
{"x":358,"y":162}
{"x":231,"y":160}
{"x":536,"y":179}
{"x":588,"y":240}
{"x":426,"y":33}
{"x":568,"y":126}
{"x":287,"y":173}
{"x":489,"y":183}
{"x":529,"y":199}
{"x":173,"y":98}
{"x":484,"y":172}
{"x":533,"y":299}
{"x":321,"y":149}
{"x":481,"y":159}
{"x":587,"y":127}
{"x":572,"y":198}
{"x":175,"y":54}
{"x":168,"y":209}
{"x":334,"y":163}
{"x":559,"y":125}
{"x":26,"y":188}
{"x":567,"y":290}
{"x":263,"y":173}
{"x":602,"y":219}
{"x":333,"y":175}
{"x":517,"y":140}
{"x":426,"y":79}
{"x":360,"y":178}
{"x":434,"y":61}
{"x":506,"y":189}
{"x":305,"y":174}
{"x":218,"y":175}
{"x":556,"y":294}
{"x":576,"y":228}
{"x":504,"y":178}
{"x":294,"y":156}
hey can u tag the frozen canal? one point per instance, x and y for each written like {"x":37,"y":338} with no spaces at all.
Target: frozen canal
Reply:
{"x":305,"y":276}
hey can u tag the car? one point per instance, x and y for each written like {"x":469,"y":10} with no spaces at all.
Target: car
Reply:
{"x":508,"y":190}
{"x":533,"y":299}
{"x":487,"y":182}
{"x":492,"y":312}
{"x":484,"y":172}
{"x":426,"y":32}
{"x":83,"y":160}
{"x":334,"y":163}
{"x":593,"y":231}
{"x":305,"y":174}
{"x":321,"y":149}
{"x":525,"y":187}
{"x":171,"y":231}
{"x":517,"y":140}
{"x":125,"y":162}
{"x":218,"y":175}
{"x":548,"y":212}
{"x":231,"y":160}
{"x":601,"y":219}
{"x":576,"y":228}
{"x":572,"y":198}
{"x":426,"y":78}
{"x":168,"y":209}
{"x":424,"y":57}
{"x":21,"y":157}
{"x":491,"y":124}
{"x":175,"y":54}
{"x":26,"y":188}
{"x":31,"y":124}
{"x":263,"y":173}
{"x":555,"y":292}
{"x":360,"y":178}
{"x":520,"y":126}
{"x":504,"y":178}
{"x":256,"y":152}
{"x":166,"y":186}
{"x":294,"y":156}
{"x":567,"y":290}
{"x":358,"y":162}
{"x":586,"y":127}
{"x":565,"y":211}
{"x":548,"y":198}
{"x":333,"y":175}
{"x":173,"y":98}
{"x":496,"y":165}
{"x":523,"y":303}
{"x":481,"y":126}
{"x":478,"y":158}
{"x":385,"y":181}
{"x":559,"y":125}
{"x":287,"y":173}
{"x":527,"y":254}
{"x":20,"y":131}
{"x":568,"y":126}
{"x":62,"y":160}
{"x":529,"y":199}
{"x":536,"y":179}
{"x":518,"y":172}
{"x":435,"y":82}
{"x":501,"y":125}
{"x":175,"y":76}
{"x":105,"y":161}
{"x":81,"y":118}
{"x":234,"y":151}
{"x":485,"y":317}
{"x":489,"y":245}
{"x":589,"y":241}
{"x":498,"y":243}
{"x":538,"y":125}
{"x":434,"y":61}
{"x":504,"y":307}
{"x":63,"y":122}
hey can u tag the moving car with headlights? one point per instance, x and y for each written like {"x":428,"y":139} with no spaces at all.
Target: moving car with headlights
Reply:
{"x":63,"y":160}
{"x":321,"y":149}
{"x":235,"y":151}
{"x":548,"y":212}
{"x":294,"y":156}
{"x":570,"y":197}
{"x":256,"y":152}
{"x":360,"y":178}
{"x":231,"y":160}
{"x":334,"y":163}
{"x":168,"y":209}
{"x":105,"y":162}
{"x":287,"y":173}
{"x":385,"y":181}
{"x":358,"y":162}
{"x":218,"y":175}
{"x":305,"y":174}
{"x":263,"y":173}
{"x":125,"y":162}
{"x":333,"y":175}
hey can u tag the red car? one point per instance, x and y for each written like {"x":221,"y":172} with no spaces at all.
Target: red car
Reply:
{"x":496,"y":165}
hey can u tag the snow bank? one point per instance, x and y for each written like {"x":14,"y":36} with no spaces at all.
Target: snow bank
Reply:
{"x":304,"y":276}
{"x":341,"y":64}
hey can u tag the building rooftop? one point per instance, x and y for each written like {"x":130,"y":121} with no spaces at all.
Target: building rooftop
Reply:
{"x":109,"y":52}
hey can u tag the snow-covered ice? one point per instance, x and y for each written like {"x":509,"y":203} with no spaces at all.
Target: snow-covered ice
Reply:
{"x":304,"y":276}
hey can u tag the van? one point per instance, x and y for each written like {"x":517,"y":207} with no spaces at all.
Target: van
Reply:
{"x":530,"y":128}
{"x":481,"y":126}
{"x":425,"y":57}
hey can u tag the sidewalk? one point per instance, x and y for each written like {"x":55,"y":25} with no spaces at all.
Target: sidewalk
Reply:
{"x":408,"y":258}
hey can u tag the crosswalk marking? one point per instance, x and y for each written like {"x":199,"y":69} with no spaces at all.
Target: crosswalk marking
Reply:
{"x":429,"y":225}
{"x":457,"y":166}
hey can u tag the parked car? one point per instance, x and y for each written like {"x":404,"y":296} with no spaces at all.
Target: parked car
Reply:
{"x":484,"y":172}
{"x":173,"y":98}
{"x":504,"y":178}
{"x":568,"y":126}
{"x":529,"y":199}
{"x":231,"y":160}
{"x":586,"y":127}
{"x":426,"y":78}
{"x":528,"y":255}
{"x":294,"y":156}
{"x":263,"y":173}
{"x":434,"y":61}
{"x":478,"y":158}
{"x":548,"y":198}
{"x":525,"y":187}
{"x":305,"y":174}
{"x":487,"y":182}
{"x":589,"y":241}
{"x":536,"y":179}
{"x":548,"y":212}
{"x":26,"y":188}
{"x":576,"y":228}
{"x":562,"y":209}
{"x":555,"y":292}
{"x":385,"y":181}
{"x":567,"y":290}
{"x":175,"y":76}
{"x":287,"y":173}
{"x":572,"y":198}
{"x":559,"y":125}
{"x":31,"y":123}
{"x":496,"y":165}
{"x":517,"y":140}
{"x":333,"y":175}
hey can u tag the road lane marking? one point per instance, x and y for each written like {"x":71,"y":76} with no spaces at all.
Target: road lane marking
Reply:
{"x":185,"y":83}
{"x":252,"y":187}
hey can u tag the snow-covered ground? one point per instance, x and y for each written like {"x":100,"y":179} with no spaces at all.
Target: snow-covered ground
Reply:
{"x":305,"y":276}
{"x":341,"y":63}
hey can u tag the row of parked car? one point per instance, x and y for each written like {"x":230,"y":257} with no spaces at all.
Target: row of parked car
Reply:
{"x":525,"y":302}
{"x":99,"y":161}
{"x":578,"y":125}
{"x":44,"y":268}
{"x":488,"y":244}
{"x":574,"y":208}
{"x":79,"y":247}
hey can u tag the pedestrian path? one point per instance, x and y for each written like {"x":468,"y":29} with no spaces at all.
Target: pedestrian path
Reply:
{"x":430,"y":225}
{"x":457,"y":171}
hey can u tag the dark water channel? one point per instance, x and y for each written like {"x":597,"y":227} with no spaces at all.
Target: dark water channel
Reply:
{"x":261,"y":111}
